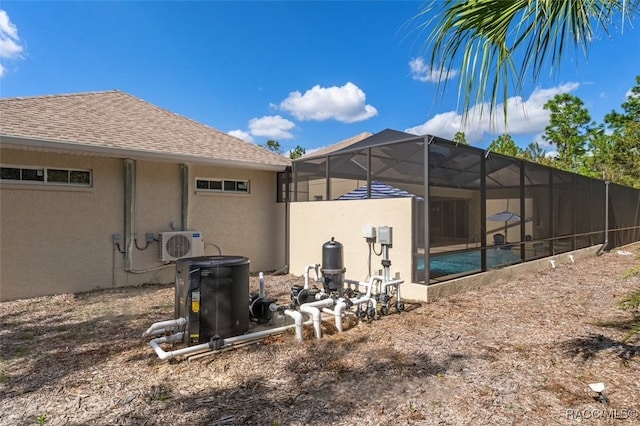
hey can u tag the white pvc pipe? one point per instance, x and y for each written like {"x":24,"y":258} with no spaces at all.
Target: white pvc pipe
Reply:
{"x":155,"y":343}
{"x":226,"y":343}
{"x":337,"y":313}
{"x":312,"y":308}
{"x":261,"y":293}
{"x":158,"y":327}
{"x":369,"y":284}
{"x":396,"y":283}
{"x":306,"y":274}
{"x":297,"y":320}
{"x":342,"y":305}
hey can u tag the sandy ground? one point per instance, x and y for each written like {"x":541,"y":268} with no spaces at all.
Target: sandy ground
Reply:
{"x":516,"y":352}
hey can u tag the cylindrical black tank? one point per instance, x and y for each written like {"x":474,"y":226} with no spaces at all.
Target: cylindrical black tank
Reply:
{"x":212,"y":295}
{"x":333,"y":266}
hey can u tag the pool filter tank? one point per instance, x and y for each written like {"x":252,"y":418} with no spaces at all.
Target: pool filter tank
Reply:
{"x":333,"y":267}
{"x":211,"y":294}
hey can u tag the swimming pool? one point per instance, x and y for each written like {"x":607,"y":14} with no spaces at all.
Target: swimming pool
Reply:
{"x":457,"y":263}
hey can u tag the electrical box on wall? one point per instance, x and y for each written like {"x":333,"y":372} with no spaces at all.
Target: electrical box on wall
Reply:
{"x":369,"y":232}
{"x":385,"y":235}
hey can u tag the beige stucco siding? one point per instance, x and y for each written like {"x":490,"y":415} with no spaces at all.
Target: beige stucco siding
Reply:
{"x":58,"y":239}
{"x":250,"y":225}
{"x":156,"y":208}
{"x":313,"y":224}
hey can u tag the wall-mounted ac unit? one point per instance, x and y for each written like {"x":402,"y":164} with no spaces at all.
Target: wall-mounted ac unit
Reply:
{"x":177,"y":245}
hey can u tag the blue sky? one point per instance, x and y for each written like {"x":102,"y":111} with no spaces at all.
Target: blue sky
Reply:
{"x":303,"y":73}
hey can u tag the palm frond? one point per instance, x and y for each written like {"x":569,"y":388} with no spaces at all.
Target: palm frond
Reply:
{"x":484,"y":37}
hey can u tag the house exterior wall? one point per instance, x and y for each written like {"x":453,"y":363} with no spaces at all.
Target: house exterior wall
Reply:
{"x":59,"y":239}
{"x":313,"y":224}
{"x":250,"y":225}
{"x":56,"y":239}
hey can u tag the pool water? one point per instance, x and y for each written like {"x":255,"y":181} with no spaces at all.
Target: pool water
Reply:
{"x":456,"y":263}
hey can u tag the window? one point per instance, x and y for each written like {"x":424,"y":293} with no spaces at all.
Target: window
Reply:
{"x":223,"y":185}
{"x":45,"y":175}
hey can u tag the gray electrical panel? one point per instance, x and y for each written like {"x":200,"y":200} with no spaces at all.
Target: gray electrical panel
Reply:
{"x":385,"y":235}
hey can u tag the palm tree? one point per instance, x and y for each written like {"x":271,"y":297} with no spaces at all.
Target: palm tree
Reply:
{"x":487,"y":35}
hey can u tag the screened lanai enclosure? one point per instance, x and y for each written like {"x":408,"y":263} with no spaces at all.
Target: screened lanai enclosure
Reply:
{"x":464,"y":210}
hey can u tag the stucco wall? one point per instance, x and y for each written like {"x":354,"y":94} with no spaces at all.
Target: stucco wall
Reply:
{"x":313,"y":224}
{"x":58,"y":239}
{"x":250,"y":225}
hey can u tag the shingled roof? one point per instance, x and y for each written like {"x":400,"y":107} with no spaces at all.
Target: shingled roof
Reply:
{"x":339,"y":145}
{"x":114,"y":123}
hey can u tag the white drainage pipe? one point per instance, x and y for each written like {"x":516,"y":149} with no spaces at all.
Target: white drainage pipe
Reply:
{"x":162,"y":326}
{"x":155,"y":344}
{"x":342,"y":305}
{"x":553,"y":263}
{"x":312,"y":308}
{"x":306,"y":275}
{"x":369,"y":284}
{"x":225,"y":343}
{"x":396,"y":283}
{"x":297,"y":322}
{"x":261,"y":292}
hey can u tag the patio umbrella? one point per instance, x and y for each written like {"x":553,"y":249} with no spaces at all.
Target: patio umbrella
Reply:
{"x":506,"y":217}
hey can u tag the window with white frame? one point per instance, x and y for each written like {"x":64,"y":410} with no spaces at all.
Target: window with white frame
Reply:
{"x":45,"y":175}
{"x":222,"y":185}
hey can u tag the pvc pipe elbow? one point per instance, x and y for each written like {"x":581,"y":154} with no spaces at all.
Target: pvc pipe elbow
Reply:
{"x":373,"y":279}
{"x":155,"y":345}
{"x":337,"y":312}
{"x":297,"y":320}
{"x":315,"y":315}
{"x":179,"y":322}
{"x":306,"y":274}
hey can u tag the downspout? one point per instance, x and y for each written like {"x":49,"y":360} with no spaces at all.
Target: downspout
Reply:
{"x":184,"y":202}
{"x":327,"y":177}
{"x":605,"y":243}
{"x":129,"y":210}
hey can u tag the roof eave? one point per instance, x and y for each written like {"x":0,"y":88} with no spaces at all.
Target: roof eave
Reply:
{"x":10,"y":141}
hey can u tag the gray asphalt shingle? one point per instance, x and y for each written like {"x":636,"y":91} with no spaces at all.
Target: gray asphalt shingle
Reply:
{"x":118,"y":120}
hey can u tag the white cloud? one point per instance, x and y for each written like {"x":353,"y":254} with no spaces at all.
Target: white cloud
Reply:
{"x":524,"y":117}
{"x":241,"y":134}
{"x":10,"y":47}
{"x":423,"y":72}
{"x":345,"y":104}
{"x":271,"y":126}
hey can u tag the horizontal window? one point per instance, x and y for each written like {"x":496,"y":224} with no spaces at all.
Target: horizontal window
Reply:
{"x":45,"y":175}
{"x":223,"y":185}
